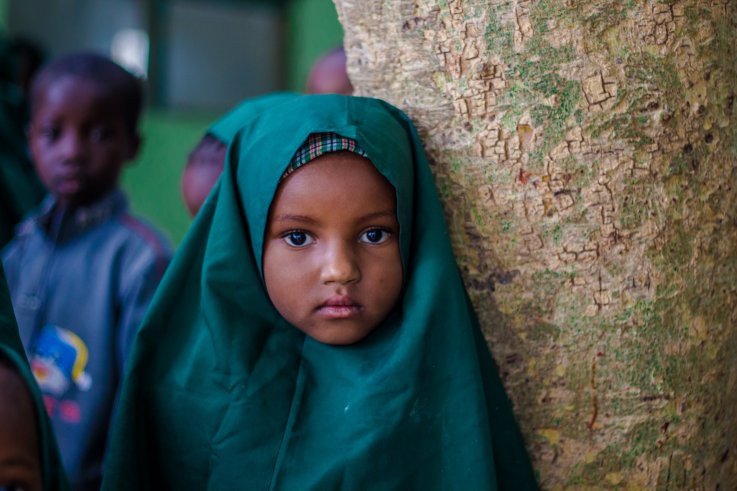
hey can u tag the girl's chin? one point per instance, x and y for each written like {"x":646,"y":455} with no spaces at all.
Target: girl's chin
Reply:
{"x":338,"y":332}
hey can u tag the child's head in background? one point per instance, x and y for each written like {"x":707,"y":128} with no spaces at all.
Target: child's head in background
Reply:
{"x":329,"y":76}
{"x":206,"y":161}
{"x":84,"y":126}
{"x":20,"y":456}
{"x":331,"y":260}
{"x":204,"y":166}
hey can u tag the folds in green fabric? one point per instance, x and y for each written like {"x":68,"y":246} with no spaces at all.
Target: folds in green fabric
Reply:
{"x":12,"y":349}
{"x":226,"y":128}
{"x":222,"y":393}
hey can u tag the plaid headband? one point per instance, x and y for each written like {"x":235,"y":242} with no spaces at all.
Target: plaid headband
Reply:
{"x":318,"y":144}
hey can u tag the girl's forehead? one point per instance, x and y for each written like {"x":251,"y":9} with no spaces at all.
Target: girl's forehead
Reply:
{"x":341,"y":166}
{"x":341,"y":179}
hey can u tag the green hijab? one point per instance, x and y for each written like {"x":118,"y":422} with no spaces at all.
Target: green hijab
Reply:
{"x":222,"y":393}
{"x":11,"y":348}
{"x":226,"y":128}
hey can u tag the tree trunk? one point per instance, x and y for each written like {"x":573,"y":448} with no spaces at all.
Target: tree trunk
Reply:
{"x":585,"y":151}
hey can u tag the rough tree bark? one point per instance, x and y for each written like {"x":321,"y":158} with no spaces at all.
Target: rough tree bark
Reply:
{"x":586,"y":152}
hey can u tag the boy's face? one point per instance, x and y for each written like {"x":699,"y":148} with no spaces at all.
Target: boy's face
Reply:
{"x":204,"y":166}
{"x":79,"y":142}
{"x":331,"y":251}
{"x":20,"y":463}
{"x":197,"y":182}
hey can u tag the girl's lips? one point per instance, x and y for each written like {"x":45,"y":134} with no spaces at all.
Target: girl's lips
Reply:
{"x":339,"y":307}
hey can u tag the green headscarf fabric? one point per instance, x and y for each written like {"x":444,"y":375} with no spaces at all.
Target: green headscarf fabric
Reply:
{"x":226,"y":128}
{"x":11,"y":348}
{"x":222,"y":393}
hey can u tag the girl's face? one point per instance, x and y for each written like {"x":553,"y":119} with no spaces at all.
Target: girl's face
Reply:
{"x":331,"y":250}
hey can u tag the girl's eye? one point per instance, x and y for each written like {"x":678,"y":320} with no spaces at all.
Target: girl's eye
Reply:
{"x":298,"y":239}
{"x":374,"y":236}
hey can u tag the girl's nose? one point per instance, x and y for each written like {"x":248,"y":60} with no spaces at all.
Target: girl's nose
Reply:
{"x":340,"y":265}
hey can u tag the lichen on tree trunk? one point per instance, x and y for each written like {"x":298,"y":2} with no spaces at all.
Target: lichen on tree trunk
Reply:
{"x":586,"y":153}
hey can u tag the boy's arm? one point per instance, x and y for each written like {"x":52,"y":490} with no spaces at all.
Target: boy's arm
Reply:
{"x":142,"y":280}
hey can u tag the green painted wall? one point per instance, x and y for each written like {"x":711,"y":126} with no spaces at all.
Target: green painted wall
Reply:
{"x":313,"y":28}
{"x":152,"y":181}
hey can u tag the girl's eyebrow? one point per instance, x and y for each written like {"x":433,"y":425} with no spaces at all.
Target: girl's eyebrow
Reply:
{"x":288,"y":217}
{"x":293,"y":218}
{"x":378,"y":214}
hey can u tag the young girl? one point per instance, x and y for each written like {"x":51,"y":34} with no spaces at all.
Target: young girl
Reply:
{"x":313,"y":331}
{"x":29,"y":458}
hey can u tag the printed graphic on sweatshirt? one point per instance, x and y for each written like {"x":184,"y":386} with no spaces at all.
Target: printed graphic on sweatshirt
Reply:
{"x":58,"y":361}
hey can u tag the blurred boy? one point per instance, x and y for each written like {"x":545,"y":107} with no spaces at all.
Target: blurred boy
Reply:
{"x":82,"y":270}
{"x":204,"y":166}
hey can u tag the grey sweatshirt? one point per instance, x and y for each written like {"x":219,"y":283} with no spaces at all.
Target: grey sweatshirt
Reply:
{"x":80,"y":283}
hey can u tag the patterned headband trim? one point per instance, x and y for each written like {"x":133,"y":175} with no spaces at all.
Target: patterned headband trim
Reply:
{"x":318,"y":144}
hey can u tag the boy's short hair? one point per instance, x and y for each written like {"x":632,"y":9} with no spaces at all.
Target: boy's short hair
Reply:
{"x":124,"y":87}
